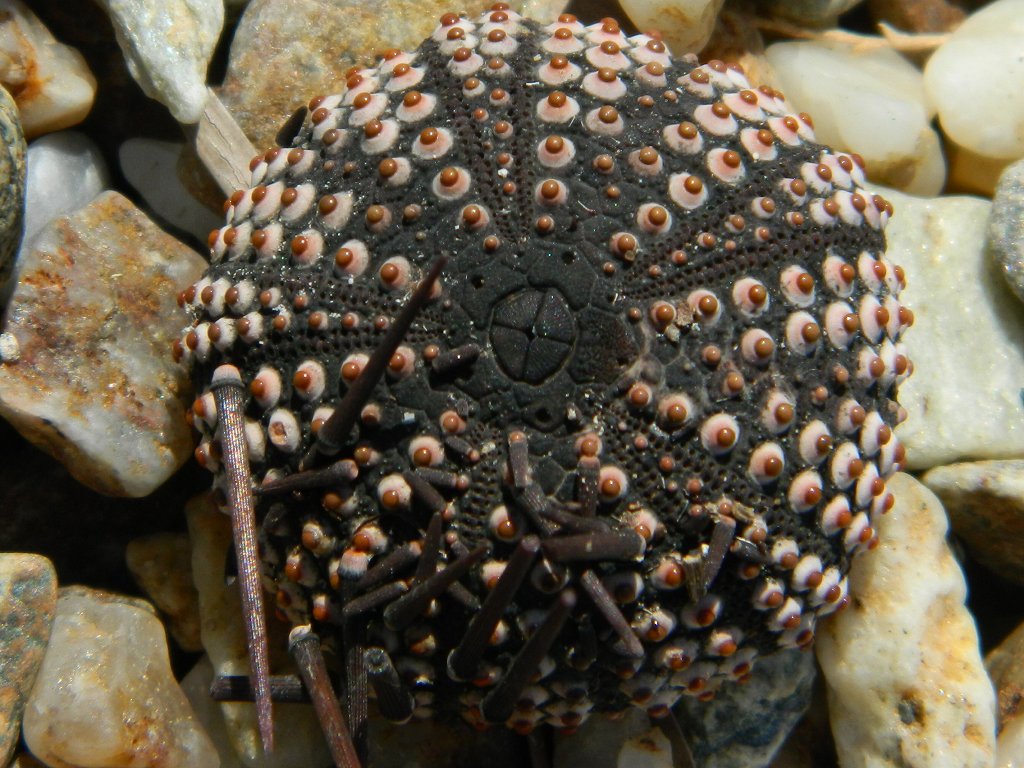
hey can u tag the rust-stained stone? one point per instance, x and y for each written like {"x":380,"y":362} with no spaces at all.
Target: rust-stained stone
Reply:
{"x":281,"y":43}
{"x":1005,"y":665}
{"x":12,"y":183}
{"x":50,"y":82}
{"x":28,"y":601}
{"x":94,"y":313}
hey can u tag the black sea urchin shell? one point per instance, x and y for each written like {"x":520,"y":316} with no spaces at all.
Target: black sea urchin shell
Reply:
{"x":652,"y":387}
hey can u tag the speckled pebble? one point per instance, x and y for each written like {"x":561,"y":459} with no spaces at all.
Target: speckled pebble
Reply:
{"x":685,"y":24}
{"x":984,"y":114}
{"x":906,"y":683}
{"x":28,"y":599}
{"x":50,"y":81}
{"x":1006,"y":226}
{"x":167,"y":44}
{"x":93,"y":315}
{"x":12,"y":183}
{"x":65,"y":171}
{"x":882,"y":113}
{"x":967,"y":341}
{"x":105,"y":694}
{"x":161,"y":564}
{"x":260,"y":91}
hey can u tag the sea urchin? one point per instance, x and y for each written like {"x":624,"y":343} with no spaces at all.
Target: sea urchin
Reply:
{"x":554,"y":375}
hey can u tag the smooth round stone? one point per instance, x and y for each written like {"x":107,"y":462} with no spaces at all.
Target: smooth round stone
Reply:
{"x":985,"y":502}
{"x":161,"y":565}
{"x":963,"y":399}
{"x":685,"y":24}
{"x":871,"y":102}
{"x":28,"y":601}
{"x":105,"y":694}
{"x":262,"y":91}
{"x":976,"y":81}
{"x":906,"y":682}
{"x":50,"y":81}
{"x":922,"y":16}
{"x":808,"y":12}
{"x":65,"y":171}
{"x":167,"y":45}
{"x":12,"y":191}
{"x":1006,"y":227}
{"x":151,"y":167}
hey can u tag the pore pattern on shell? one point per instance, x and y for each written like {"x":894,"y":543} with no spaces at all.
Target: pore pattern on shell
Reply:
{"x":662,"y":353}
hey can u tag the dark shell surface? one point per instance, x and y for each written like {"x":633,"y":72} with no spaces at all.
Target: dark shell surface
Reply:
{"x":663,"y":351}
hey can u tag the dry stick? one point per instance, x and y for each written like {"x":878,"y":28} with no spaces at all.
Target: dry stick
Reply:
{"x":682,"y":756}
{"x":222,"y":146}
{"x":335,"y":430}
{"x":305,"y":648}
{"x":229,"y":395}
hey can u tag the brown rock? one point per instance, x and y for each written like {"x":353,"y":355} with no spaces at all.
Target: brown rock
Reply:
{"x":94,"y":314}
{"x":285,"y":52}
{"x":985,"y":502}
{"x":1005,"y":665}
{"x":926,"y":16}
{"x":162,"y":567}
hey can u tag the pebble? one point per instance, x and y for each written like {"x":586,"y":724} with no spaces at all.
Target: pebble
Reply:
{"x":920,"y":16}
{"x":685,"y":24}
{"x":161,"y":565}
{"x":260,"y":91}
{"x":980,"y":104}
{"x":742,"y":726}
{"x":105,"y":694}
{"x":65,"y":171}
{"x":967,"y":341}
{"x":143,"y":160}
{"x":12,"y":191}
{"x":1005,"y":665}
{"x":907,"y":687}
{"x":868,"y":101}
{"x":815,"y":13}
{"x":971,"y":173}
{"x":167,"y":45}
{"x":94,"y":314}
{"x":1006,"y":227}
{"x":985,"y":502}
{"x":28,"y":599}
{"x":50,"y":81}
{"x":298,"y":740}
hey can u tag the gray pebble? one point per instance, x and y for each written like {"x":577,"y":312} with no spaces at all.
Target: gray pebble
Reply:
{"x":12,"y":183}
{"x":1006,"y":226}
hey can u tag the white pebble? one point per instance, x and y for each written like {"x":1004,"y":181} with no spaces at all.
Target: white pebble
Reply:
{"x":871,"y":102}
{"x":105,"y":693}
{"x":963,"y":398}
{"x":167,"y":45}
{"x":902,"y":662}
{"x":976,"y":80}
{"x":54,"y":85}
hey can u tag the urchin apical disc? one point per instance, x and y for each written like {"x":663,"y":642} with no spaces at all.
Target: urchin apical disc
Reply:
{"x":641,"y":422}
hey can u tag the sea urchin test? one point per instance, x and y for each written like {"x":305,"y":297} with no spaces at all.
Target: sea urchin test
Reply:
{"x":545,"y":376}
